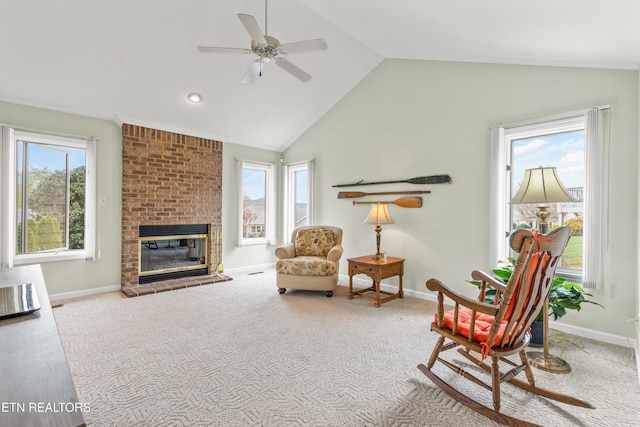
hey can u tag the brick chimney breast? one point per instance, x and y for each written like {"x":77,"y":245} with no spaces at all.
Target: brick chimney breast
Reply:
{"x":168,"y":179}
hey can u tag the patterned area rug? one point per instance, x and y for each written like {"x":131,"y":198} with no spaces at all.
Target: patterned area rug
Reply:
{"x":239,"y":354}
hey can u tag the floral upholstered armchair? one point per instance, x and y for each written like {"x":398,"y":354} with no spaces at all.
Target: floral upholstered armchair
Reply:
{"x":311,"y":260}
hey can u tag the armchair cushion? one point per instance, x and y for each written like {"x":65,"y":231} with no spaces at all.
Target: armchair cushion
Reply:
{"x":314,"y":242}
{"x":306,"y":266}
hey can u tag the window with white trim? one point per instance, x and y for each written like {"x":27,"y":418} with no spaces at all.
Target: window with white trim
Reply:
{"x":298,"y":196}
{"x":578,"y":153}
{"x":48,"y":207}
{"x":256,"y":203}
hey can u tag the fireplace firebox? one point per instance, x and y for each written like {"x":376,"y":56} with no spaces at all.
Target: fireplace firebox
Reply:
{"x":172,"y":251}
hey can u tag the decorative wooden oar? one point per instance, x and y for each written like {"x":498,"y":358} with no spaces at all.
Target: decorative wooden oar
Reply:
{"x":433,"y":179}
{"x":405,"y":202}
{"x":354,"y":194}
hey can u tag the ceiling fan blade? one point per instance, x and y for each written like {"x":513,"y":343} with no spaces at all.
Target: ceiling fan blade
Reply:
{"x":294,"y":70}
{"x":252,"y":27}
{"x":215,"y":49}
{"x":304,"y":46}
{"x":253,"y":72}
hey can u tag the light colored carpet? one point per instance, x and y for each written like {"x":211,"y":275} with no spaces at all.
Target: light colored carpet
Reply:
{"x":239,"y":354}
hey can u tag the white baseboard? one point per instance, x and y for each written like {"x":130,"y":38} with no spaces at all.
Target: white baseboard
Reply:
{"x":84,"y":292}
{"x":627,"y":342}
{"x":594,"y":335}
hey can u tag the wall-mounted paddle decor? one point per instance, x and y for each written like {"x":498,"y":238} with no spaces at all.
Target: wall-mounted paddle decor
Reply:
{"x":405,"y":202}
{"x":354,"y":194}
{"x":433,"y":179}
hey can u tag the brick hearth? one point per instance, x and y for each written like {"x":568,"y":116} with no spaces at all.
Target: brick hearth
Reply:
{"x":173,"y":284}
{"x":167,"y":179}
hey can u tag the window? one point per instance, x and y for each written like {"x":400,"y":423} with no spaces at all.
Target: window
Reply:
{"x":256,"y":214}
{"x":559,"y":145}
{"x":298,"y":196}
{"x":48,"y":188}
{"x":578,"y":155}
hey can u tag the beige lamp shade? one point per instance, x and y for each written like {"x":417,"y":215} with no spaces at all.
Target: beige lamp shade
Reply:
{"x":379,"y":214}
{"x":542,"y":185}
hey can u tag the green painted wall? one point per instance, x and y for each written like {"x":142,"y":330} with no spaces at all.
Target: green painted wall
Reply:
{"x":80,"y":276}
{"x":414,"y":118}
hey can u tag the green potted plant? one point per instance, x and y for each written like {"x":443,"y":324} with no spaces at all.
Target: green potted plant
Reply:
{"x":563,"y":296}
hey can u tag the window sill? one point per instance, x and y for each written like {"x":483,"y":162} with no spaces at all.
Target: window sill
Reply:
{"x":49,"y":257}
{"x":251,"y":242}
{"x":571,"y":276}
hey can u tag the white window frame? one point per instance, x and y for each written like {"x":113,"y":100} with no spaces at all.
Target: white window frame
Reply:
{"x":270,"y":204}
{"x":8,"y":226}
{"x":501,"y":137}
{"x":289,"y":199}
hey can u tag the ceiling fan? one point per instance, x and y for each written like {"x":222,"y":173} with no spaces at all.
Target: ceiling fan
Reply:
{"x":269,"y":49}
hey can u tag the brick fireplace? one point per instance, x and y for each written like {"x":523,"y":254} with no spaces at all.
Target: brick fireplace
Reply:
{"x":169,"y":179}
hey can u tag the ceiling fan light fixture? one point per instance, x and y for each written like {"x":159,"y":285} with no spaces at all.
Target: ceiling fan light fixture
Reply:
{"x":269,"y":49}
{"x":194,"y":97}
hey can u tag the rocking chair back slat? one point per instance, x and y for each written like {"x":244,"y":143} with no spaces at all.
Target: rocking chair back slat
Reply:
{"x":511,"y":304}
{"x":506,"y":308}
{"x":540,"y":293}
{"x":528,"y":298}
{"x":525,"y":291}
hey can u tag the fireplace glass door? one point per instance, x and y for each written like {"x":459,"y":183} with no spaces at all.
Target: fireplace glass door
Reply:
{"x":167,"y":254}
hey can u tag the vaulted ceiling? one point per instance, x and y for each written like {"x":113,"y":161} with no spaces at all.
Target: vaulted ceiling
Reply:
{"x":134,"y":61}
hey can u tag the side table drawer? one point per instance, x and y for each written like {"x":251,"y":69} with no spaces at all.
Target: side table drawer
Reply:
{"x":372,"y":272}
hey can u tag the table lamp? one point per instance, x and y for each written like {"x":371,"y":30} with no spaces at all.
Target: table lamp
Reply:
{"x":542,"y":185}
{"x":378,"y":215}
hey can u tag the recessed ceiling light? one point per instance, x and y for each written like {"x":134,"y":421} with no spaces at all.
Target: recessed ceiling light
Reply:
{"x":194,"y":97}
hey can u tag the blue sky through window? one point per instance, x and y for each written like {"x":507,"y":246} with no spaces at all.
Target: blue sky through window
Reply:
{"x":40,"y":156}
{"x":301,"y":187}
{"x":253,"y":183}
{"x":565,"y":151}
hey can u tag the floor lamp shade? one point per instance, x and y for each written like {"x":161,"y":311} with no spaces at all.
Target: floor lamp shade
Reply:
{"x":378,"y":215}
{"x":542,"y":185}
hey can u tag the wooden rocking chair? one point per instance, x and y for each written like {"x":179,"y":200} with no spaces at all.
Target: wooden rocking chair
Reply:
{"x":502,"y":328}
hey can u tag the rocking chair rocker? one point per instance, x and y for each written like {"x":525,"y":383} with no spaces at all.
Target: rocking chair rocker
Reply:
{"x":500,"y":329}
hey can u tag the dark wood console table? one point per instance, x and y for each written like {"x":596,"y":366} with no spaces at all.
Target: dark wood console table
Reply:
{"x":36,"y":388}
{"x":377,"y":270}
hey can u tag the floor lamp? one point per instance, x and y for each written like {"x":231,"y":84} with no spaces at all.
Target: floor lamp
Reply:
{"x":542,"y":186}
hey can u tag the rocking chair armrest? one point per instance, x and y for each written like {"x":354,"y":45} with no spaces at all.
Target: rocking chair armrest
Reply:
{"x":481,"y":275}
{"x":473,"y":304}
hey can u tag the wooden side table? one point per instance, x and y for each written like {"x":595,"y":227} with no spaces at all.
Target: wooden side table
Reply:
{"x":377,"y":270}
